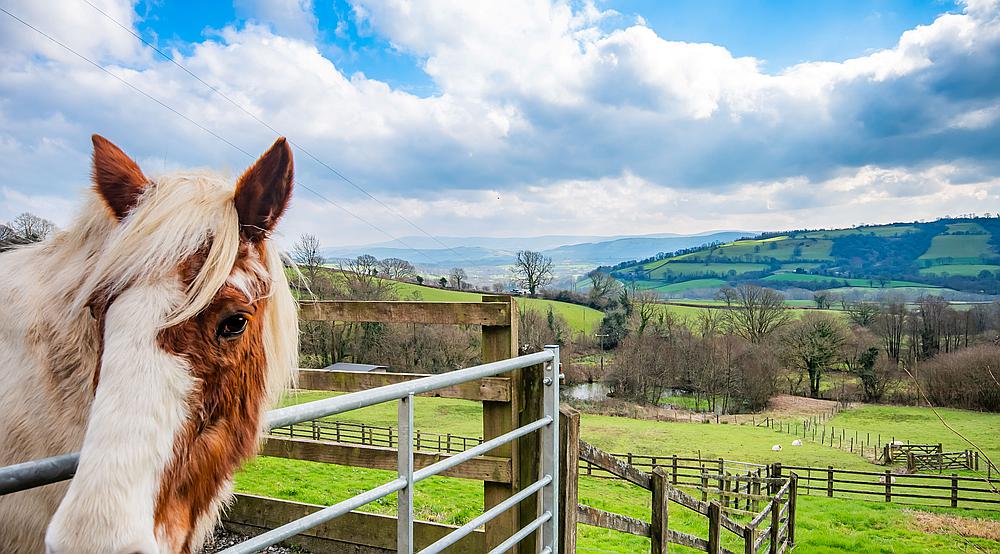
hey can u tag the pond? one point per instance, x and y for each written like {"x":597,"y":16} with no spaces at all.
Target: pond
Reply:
{"x":589,"y":392}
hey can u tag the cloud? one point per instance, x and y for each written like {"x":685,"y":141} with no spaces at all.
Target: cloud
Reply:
{"x":546,"y":105}
{"x":290,"y":18}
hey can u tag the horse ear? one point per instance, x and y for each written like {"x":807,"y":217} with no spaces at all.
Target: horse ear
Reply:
{"x":117,"y":178}
{"x":263,"y":192}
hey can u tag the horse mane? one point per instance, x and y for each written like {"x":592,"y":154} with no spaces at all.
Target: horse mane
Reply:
{"x":177,"y":217}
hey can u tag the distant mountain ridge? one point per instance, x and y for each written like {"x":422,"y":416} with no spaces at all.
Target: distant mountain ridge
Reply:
{"x":563,"y":249}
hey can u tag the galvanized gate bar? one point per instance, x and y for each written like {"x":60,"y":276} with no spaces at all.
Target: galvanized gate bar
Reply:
{"x":49,"y":470}
{"x":550,"y":448}
{"x":466,"y":455}
{"x":276,"y":535}
{"x":362,"y":399}
{"x":36,"y":473}
{"x":524,"y":532}
{"x":492,"y":513}
{"x":404,"y":499}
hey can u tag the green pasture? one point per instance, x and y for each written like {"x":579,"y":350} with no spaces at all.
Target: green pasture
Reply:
{"x":878,"y":231}
{"x":719,"y":269}
{"x":966,"y":227}
{"x":968,"y":270}
{"x":684,"y":286}
{"x":920,"y":425}
{"x":581,"y":319}
{"x":865,"y":283}
{"x":823,"y":525}
{"x":962,"y":248}
{"x":792,"y":266}
{"x":781,"y":248}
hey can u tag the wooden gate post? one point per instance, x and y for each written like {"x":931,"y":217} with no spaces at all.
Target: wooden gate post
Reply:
{"x":714,"y":528}
{"x":659,"y":515}
{"x":793,"y":493}
{"x":569,"y":475}
{"x":500,"y":343}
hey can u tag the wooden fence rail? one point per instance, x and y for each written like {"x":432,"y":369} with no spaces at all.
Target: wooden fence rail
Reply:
{"x":940,"y":461}
{"x":740,"y":495}
{"x":374,"y":435}
{"x":957,"y":491}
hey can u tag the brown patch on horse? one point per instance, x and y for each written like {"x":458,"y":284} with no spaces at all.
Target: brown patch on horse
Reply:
{"x":231,"y":377}
{"x":117,"y":178}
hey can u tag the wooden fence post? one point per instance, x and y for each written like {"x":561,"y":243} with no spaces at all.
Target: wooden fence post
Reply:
{"x":954,"y":490}
{"x":499,"y":342}
{"x":793,"y":493}
{"x":674,"y":470}
{"x":829,"y":481}
{"x":775,"y":525}
{"x":749,"y":537}
{"x":888,"y":485}
{"x":660,"y":513}
{"x":714,"y":528}
{"x":569,"y":475}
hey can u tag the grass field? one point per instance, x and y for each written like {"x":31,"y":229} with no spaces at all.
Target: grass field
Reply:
{"x":721,"y":269}
{"x":970,"y":270}
{"x":824,"y":525}
{"x":684,"y":286}
{"x":879,"y":231}
{"x":580,"y":318}
{"x":960,"y":247}
{"x":920,"y":425}
{"x":865,"y":283}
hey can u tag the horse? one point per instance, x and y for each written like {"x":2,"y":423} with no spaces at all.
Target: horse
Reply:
{"x":150,"y":335}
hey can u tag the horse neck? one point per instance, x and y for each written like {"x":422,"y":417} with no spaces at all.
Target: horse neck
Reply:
{"x":61,"y":339}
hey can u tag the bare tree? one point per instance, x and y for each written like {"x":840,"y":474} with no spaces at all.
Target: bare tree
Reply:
{"x":754,"y":312}
{"x":812,"y":344}
{"x":889,"y":325}
{"x":30,"y":228}
{"x":306,"y":253}
{"x":822,"y":299}
{"x":362,"y":281}
{"x":861,"y":313}
{"x":365,"y":263}
{"x":602,"y":287}
{"x":397,"y":269}
{"x":642,"y":304}
{"x":532,"y":270}
{"x":458,"y":277}
{"x":498,"y":287}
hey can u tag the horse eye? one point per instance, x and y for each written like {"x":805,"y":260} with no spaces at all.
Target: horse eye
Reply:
{"x":233,"y":326}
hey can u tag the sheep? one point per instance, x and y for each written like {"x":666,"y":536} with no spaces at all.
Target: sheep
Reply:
{"x":881,"y":479}
{"x":796,"y":442}
{"x":776,"y":448}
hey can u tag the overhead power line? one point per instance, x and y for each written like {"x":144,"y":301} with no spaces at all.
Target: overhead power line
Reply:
{"x":268,"y":126}
{"x":202,"y":127}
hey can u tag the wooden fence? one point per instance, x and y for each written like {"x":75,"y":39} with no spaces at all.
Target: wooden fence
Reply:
{"x":778,"y":507}
{"x":956,"y":491}
{"x":375,"y":435}
{"x":940,"y":461}
{"x":508,"y":402}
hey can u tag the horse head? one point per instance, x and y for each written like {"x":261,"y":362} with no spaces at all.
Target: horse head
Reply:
{"x":198,"y":333}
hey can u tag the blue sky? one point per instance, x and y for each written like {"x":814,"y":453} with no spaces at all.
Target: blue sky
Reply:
{"x":523,"y":117}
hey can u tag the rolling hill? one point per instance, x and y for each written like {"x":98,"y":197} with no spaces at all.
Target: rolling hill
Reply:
{"x":957,"y":257}
{"x":489,"y":258}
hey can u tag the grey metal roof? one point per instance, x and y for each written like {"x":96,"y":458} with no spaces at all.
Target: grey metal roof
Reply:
{"x":360,"y":368}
